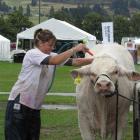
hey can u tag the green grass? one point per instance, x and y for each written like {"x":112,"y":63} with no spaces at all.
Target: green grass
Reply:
{"x":56,"y":125}
{"x":48,"y":100}
{"x":8,"y":75}
{"x":63,"y":81}
{"x":60,"y":125}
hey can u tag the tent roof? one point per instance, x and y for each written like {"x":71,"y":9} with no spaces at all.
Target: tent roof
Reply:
{"x":137,"y":41}
{"x":61,"y":29}
{"x":2,"y":38}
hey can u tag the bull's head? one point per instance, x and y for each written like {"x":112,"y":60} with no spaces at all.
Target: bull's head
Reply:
{"x":103,"y":74}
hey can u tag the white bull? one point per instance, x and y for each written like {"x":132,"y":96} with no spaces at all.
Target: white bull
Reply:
{"x":112,"y":65}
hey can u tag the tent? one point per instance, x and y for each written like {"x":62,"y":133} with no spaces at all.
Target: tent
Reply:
{"x":4,"y":48}
{"x":61,"y":29}
{"x":137,"y":45}
{"x":137,"y":41}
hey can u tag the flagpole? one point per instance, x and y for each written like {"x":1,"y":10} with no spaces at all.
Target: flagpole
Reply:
{"x":39,"y":11}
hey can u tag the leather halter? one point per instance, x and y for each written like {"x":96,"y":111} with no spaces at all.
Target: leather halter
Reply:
{"x":116,"y":85}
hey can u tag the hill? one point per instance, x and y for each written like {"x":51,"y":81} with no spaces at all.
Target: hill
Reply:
{"x":122,"y":6}
{"x":44,"y":8}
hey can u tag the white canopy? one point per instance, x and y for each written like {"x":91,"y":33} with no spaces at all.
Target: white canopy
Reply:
{"x":137,"y":41}
{"x":4,"y":48}
{"x":61,"y":29}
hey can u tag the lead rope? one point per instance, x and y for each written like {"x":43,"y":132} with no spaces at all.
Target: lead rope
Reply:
{"x":135,"y":123}
{"x":52,"y":79}
{"x":136,"y":114}
{"x":117,"y":100}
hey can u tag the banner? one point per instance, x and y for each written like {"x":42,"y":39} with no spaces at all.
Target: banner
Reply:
{"x":107,"y":32}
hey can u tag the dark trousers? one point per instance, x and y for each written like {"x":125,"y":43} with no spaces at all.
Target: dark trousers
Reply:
{"x":22,"y":124}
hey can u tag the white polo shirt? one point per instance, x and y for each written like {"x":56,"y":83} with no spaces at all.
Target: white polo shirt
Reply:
{"x":34,"y":79}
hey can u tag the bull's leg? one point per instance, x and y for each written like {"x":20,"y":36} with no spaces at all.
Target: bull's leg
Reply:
{"x":119,"y":135}
{"x":87,"y":132}
{"x":121,"y":127}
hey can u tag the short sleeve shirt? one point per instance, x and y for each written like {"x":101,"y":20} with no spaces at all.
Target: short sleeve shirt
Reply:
{"x":34,"y":79}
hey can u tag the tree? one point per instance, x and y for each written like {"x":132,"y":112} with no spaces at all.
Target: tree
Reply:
{"x":20,"y":9}
{"x":135,"y":24}
{"x":63,"y":14}
{"x":17,"y":22}
{"x":79,"y":13}
{"x":98,"y":9}
{"x":34,"y":2}
{"x":121,"y":28}
{"x":51,"y":13}
{"x":28,"y":11}
{"x":5,"y":28}
{"x":92,"y":24}
{"x":133,"y":3}
{"x":120,"y":7}
{"x":14,"y":8}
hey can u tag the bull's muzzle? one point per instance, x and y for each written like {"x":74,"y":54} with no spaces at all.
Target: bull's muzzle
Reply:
{"x":104,"y":85}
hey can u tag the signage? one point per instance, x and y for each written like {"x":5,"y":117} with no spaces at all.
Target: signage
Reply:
{"x":107,"y":32}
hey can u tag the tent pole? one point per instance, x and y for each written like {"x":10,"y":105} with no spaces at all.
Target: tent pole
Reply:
{"x":39,"y":11}
{"x":17,"y":43}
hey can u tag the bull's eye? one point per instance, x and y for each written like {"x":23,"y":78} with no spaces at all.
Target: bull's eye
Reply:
{"x":93,"y":74}
{"x":114,"y":72}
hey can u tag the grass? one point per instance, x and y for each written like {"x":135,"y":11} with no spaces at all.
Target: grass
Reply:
{"x":56,"y":124}
{"x":48,"y":100}
{"x":9,"y":74}
{"x":60,"y":125}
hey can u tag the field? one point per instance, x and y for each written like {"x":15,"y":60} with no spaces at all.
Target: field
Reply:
{"x":9,"y":73}
{"x":56,"y":124}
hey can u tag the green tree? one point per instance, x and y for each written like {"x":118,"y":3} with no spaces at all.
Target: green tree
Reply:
{"x":92,"y":24}
{"x":51,"y":12}
{"x":63,"y":15}
{"x":120,"y":7}
{"x":17,"y":22}
{"x":121,"y":28}
{"x":5,"y":28}
{"x":20,"y":9}
{"x":135,"y":24}
{"x":14,"y":8}
{"x":28,"y":11}
{"x":98,"y":8}
{"x":34,"y":2}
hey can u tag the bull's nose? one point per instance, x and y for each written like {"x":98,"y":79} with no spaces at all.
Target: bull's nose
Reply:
{"x":103,"y":86}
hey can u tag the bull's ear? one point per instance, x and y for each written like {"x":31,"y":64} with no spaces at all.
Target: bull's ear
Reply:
{"x":85,"y":70}
{"x":135,"y":76}
{"x":132,"y":75}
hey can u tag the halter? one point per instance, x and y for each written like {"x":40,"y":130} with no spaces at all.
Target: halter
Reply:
{"x":116,"y":85}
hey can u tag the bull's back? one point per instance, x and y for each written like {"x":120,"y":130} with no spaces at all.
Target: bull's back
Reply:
{"x":116,"y":51}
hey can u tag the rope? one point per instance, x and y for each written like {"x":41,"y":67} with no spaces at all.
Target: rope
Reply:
{"x":117,"y":102}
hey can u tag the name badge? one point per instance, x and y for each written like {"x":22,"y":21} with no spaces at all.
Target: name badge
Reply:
{"x":16,"y":106}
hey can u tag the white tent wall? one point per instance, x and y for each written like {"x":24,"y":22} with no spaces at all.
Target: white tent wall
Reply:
{"x":61,"y":29}
{"x":4,"y":49}
{"x":137,"y":45}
